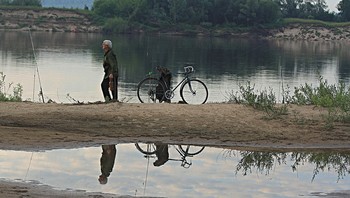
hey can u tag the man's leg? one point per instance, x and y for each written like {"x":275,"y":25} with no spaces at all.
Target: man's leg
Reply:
{"x":105,"y":91}
{"x":115,"y":89}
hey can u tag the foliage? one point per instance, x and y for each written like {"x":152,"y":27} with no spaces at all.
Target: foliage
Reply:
{"x":116,"y":24}
{"x":311,"y":9}
{"x":211,"y":14}
{"x":262,"y":100}
{"x":344,"y":9}
{"x":325,"y":95}
{"x":314,"y":22}
{"x":194,"y":12}
{"x":264,"y":162}
{"x":208,"y":15}
{"x":336,"y":98}
{"x":17,"y":90}
{"x":21,"y":2}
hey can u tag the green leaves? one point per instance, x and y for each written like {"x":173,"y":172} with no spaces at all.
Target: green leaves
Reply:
{"x":344,"y":9}
{"x":336,"y":98}
{"x":325,"y":95}
{"x":17,"y":91}
{"x":264,"y":100}
{"x":21,"y":2}
{"x":194,"y":12}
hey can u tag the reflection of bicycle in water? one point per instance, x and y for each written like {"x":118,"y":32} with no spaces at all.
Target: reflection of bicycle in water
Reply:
{"x":150,"y":150}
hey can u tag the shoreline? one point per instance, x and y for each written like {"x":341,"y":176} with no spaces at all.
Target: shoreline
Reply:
{"x":45,"y":126}
{"x":65,"y":20}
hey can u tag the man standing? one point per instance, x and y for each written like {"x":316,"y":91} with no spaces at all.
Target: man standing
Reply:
{"x":110,"y":66}
{"x":162,"y":154}
{"x":107,"y":162}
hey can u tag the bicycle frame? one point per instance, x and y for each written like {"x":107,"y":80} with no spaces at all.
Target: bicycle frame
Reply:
{"x":186,"y":78}
{"x":183,"y":81}
{"x":183,"y":160}
{"x":150,"y":153}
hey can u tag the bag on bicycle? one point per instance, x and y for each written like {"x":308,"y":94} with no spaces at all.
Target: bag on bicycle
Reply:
{"x":165,"y":79}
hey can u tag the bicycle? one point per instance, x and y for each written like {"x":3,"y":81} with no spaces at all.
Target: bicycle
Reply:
{"x":149,"y":149}
{"x":153,"y":90}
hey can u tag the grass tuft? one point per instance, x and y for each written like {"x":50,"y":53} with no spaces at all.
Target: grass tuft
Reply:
{"x":17,"y":91}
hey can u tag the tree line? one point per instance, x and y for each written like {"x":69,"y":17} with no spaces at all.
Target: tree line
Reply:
{"x":214,"y":13}
{"x":206,"y":13}
{"x":35,"y":3}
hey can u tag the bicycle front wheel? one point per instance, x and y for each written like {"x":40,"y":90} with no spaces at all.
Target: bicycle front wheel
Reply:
{"x":150,"y":90}
{"x":191,"y":150}
{"x":194,"y":91}
{"x":146,"y":148}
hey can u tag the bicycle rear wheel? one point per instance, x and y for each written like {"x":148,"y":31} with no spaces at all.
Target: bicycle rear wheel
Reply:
{"x":150,"y":90}
{"x":194,"y":91}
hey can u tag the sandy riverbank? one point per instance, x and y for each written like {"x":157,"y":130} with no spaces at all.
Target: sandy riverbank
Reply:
{"x":34,"y":126}
{"x":47,"y":126}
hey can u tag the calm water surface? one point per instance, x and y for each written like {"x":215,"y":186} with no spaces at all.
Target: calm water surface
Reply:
{"x":70,"y":64}
{"x":214,"y":172}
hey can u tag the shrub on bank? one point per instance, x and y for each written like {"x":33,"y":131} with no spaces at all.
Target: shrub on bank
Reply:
{"x":335,"y":98}
{"x":4,"y":96}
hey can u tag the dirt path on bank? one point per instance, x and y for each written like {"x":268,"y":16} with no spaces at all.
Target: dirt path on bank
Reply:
{"x":35,"y":126}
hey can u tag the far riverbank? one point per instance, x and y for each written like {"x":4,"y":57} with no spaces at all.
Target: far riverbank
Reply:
{"x":66,"y":20}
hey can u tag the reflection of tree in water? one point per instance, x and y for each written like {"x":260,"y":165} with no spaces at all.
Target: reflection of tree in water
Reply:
{"x":340,"y":162}
{"x":264,"y":162}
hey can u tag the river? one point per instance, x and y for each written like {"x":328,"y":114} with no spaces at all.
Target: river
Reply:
{"x":68,"y":66}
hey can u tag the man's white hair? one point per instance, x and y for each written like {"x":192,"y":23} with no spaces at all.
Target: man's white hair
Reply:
{"x":108,"y":43}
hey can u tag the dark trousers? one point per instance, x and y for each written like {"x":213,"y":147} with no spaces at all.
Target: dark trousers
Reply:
{"x":105,"y":89}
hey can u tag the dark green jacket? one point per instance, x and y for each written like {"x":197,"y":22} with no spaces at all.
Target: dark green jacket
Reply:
{"x":110,"y":64}
{"x":107,"y":159}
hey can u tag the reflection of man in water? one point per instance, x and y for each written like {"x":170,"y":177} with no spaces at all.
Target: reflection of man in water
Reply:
{"x":107,"y":162}
{"x":161,"y":153}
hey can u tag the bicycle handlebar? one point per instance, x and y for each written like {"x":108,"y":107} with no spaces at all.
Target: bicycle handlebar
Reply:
{"x":188,"y":69}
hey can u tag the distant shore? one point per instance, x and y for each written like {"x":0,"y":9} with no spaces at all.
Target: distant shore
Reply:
{"x":65,"y":20}
{"x":46,"y":20}
{"x":311,"y":32}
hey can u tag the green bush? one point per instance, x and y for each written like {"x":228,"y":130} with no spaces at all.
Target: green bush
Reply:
{"x":325,"y":95}
{"x":287,"y":21}
{"x":264,"y":100}
{"x":116,"y":24}
{"x":336,"y":98}
{"x":17,"y":91}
